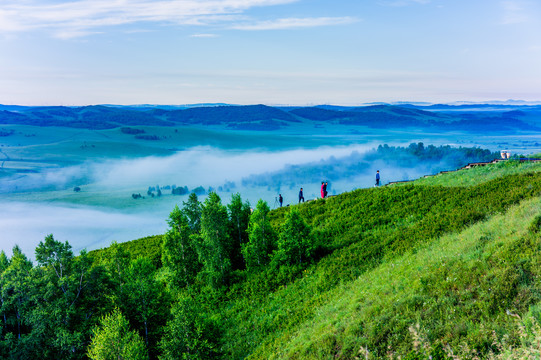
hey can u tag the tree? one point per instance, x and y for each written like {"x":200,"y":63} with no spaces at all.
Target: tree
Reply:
{"x":261,"y":237}
{"x":4,"y":263}
{"x":16,"y":285}
{"x":117,"y":263}
{"x":114,"y":340}
{"x":145,"y":303}
{"x":68,"y":292}
{"x":189,"y":334}
{"x":239,"y":215}
{"x":178,"y":250}
{"x":192,"y":210}
{"x":215,"y":247}
{"x":295,"y":242}
{"x":16,"y":292}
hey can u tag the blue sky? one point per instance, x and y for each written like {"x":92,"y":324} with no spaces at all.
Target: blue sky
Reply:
{"x":288,"y":52}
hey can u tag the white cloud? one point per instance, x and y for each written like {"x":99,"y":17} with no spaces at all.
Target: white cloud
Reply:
{"x":399,"y":3}
{"x":204,"y":35}
{"x":514,"y":12}
{"x":293,"y":23}
{"x":77,"y":18}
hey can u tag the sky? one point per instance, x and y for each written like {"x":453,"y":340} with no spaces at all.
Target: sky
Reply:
{"x":274,"y":52}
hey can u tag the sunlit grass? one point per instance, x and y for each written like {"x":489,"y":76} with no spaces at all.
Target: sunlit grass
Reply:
{"x":447,"y":282}
{"x":480,"y":174}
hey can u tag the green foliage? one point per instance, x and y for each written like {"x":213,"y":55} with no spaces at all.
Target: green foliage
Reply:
{"x":216,"y":245}
{"x":66,"y":291}
{"x":117,"y":264}
{"x":179,"y":250}
{"x":145,"y":302}
{"x":261,"y":238}
{"x":480,"y":174}
{"x":351,"y":272}
{"x":535,"y":226}
{"x":180,"y":190}
{"x":358,"y":232}
{"x":16,"y":294}
{"x":239,"y":216}
{"x":48,"y":310}
{"x":192,"y":210}
{"x":199,"y":190}
{"x":295,"y":243}
{"x":190,"y":334}
{"x":149,"y":247}
{"x":114,"y":340}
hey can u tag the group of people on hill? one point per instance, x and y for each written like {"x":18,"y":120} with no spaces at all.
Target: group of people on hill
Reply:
{"x":324,"y":192}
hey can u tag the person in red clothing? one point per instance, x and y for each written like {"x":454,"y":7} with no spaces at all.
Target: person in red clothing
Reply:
{"x":322,"y":189}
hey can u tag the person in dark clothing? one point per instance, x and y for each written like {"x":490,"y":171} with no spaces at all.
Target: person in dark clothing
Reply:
{"x":280,"y":199}
{"x":325,"y":189}
{"x":377,"y":178}
{"x":301,"y":196}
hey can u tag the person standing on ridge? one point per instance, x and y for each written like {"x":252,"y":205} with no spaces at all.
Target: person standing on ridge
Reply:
{"x":325,"y":188}
{"x":377,"y":178}
{"x":301,"y":196}
{"x":322,"y":189}
{"x":280,"y":199}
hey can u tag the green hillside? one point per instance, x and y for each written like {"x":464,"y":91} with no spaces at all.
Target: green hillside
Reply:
{"x":372,"y":232}
{"x":481,"y":174}
{"x":446,"y":263}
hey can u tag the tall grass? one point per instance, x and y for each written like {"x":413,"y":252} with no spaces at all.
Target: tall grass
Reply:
{"x":459,"y":287}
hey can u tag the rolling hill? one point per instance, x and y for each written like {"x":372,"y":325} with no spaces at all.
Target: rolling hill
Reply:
{"x":448,"y":263}
{"x":268,"y":118}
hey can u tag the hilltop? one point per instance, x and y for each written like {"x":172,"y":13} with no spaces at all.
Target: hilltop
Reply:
{"x":449,"y":256}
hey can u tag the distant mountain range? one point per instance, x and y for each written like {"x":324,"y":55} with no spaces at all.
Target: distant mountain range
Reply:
{"x":442,"y":117}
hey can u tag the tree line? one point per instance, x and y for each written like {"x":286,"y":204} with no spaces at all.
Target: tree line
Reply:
{"x":103,"y":307}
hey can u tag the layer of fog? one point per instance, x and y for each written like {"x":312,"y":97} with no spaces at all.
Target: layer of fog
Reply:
{"x":26,"y":224}
{"x":255,"y":175}
{"x":198,"y":166}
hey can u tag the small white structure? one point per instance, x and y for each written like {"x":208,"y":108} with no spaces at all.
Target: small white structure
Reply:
{"x":506,"y":154}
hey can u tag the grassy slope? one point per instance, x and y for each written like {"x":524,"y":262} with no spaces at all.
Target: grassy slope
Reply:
{"x":451,"y":258}
{"x":326,"y":313}
{"x":480,"y":174}
{"x":149,"y":247}
{"x":443,"y":286}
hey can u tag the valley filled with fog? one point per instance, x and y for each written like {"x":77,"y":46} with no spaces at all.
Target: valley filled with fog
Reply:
{"x":82,"y":185}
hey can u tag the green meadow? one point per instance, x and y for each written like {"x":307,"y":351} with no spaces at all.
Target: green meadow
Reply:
{"x":446,"y":267}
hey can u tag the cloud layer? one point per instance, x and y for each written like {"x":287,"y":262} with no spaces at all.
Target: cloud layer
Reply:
{"x":68,"y":19}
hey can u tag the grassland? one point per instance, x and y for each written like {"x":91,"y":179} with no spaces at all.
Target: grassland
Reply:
{"x":453,"y":263}
{"x":451,"y":279}
{"x":480,"y":174}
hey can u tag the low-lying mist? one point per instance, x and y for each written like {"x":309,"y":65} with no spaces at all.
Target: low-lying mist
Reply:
{"x":27,"y":223}
{"x":199,"y":166}
{"x":255,"y":175}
